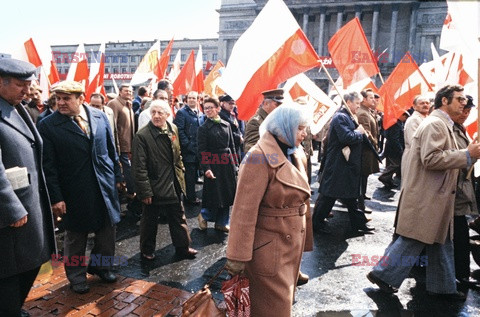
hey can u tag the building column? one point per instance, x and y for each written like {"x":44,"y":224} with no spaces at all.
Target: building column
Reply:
{"x":373,"y":40}
{"x":393,"y":32}
{"x":321,"y":32}
{"x":413,"y":27}
{"x":305,"y":21}
{"x":339,"y":18}
{"x":358,"y":12}
{"x":421,"y":52}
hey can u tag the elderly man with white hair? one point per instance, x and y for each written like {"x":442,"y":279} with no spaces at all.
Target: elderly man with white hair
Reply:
{"x":159,"y":178}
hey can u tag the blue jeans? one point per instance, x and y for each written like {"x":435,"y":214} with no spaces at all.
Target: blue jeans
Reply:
{"x":127,"y":172}
{"x":221,"y":216}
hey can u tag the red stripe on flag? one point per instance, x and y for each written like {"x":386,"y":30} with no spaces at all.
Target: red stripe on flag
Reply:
{"x":32,"y":53}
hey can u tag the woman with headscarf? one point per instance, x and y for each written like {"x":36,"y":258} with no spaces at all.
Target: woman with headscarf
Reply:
{"x":270,"y":222}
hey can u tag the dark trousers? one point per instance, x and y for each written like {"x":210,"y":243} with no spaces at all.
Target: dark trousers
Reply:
{"x":177,"y":224}
{"x":75,"y":244}
{"x":324,"y":205}
{"x":461,"y":247}
{"x":363,"y":192}
{"x":191,"y":175}
{"x":393,"y":167}
{"x":14,"y":290}
{"x":127,"y":172}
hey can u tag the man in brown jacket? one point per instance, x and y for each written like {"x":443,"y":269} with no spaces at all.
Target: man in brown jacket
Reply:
{"x":426,"y":207}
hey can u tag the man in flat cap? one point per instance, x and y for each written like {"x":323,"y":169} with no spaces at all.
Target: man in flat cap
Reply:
{"x":271,"y":100}
{"x":27,"y":238}
{"x":228,"y":114}
{"x":82,"y":171}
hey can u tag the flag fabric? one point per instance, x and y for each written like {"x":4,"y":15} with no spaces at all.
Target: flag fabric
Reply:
{"x":32,"y":53}
{"x":97,"y":72}
{"x":148,"y":65}
{"x":210,"y":83}
{"x":352,"y":54}
{"x":175,"y":67}
{"x":115,"y":86}
{"x":78,"y":70}
{"x":321,"y":106}
{"x":404,"y":83}
{"x":262,"y":59}
{"x":185,"y":81}
{"x":199,"y":71}
{"x":163,"y":62}
{"x":53,"y":77}
{"x":208,"y":66}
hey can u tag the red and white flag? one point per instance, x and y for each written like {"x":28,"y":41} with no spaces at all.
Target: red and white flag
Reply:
{"x":352,"y":54}
{"x":271,"y":50}
{"x":97,"y":72}
{"x":163,"y":62}
{"x":78,"y":70}
{"x":148,"y":65}
{"x":175,"y":67}
{"x":185,"y":81}
{"x":199,"y":71}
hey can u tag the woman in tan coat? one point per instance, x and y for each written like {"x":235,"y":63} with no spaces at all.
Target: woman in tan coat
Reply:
{"x":269,"y":224}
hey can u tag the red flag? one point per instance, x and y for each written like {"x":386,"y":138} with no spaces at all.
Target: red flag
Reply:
{"x":472,"y":128}
{"x":163,"y":61}
{"x":278,"y":56}
{"x":184,"y":83}
{"x":210,"y":83}
{"x":96,"y":83}
{"x":199,"y":71}
{"x":53,"y":77}
{"x":397,"y":92}
{"x":352,"y":54}
{"x":208,"y":66}
{"x":296,"y":91}
{"x":32,"y":53}
{"x":81,"y":75}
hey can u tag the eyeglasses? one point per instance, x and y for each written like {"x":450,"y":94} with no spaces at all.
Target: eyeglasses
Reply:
{"x":163,"y":98}
{"x":209,"y":108}
{"x":461,"y":99}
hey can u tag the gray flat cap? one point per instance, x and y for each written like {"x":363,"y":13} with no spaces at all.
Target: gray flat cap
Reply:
{"x":16,"y":68}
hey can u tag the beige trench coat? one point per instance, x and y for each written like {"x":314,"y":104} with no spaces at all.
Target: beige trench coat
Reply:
{"x":425,"y":209}
{"x":269,"y":225}
{"x":411,"y":126}
{"x":369,"y":123}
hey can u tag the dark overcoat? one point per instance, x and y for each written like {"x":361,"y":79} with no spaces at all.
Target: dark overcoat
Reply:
{"x":32,"y":244}
{"x":156,"y":162}
{"x":341,"y":178}
{"x":82,"y":171}
{"x":395,"y":144}
{"x":188,"y":123}
{"x":216,"y":152}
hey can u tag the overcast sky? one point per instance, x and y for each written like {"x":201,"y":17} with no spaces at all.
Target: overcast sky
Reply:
{"x":93,"y":21}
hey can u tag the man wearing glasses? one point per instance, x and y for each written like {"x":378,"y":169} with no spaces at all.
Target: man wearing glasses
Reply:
{"x":271,"y":100}
{"x":425,"y":211}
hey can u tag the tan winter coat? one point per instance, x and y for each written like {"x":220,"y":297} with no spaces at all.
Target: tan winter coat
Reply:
{"x":425,"y":209}
{"x":370,"y":124}
{"x":270,"y":224}
{"x":124,"y":118}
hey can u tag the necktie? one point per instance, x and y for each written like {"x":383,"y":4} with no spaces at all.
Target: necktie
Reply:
{"x":81,"y":124}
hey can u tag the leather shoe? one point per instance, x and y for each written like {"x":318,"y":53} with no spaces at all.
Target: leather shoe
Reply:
{"x":322,"y":228}
{"x":387,"y":183}
{"x":366,"y":197}
{"x":186,"y":253}
{"x":457,"y":296}
{"x":363,"y":228}
{"x":222,"y":228}
{"x":367,"y":211}
{"x":80,"y":288}
{"x":302,"y":278}
{"x":149,"y":257}
{"x":24,"y":313}
{"x":202,"y":223}
{"x":468,"y":282}
{"x":475,"y":226}
{"x":105,"y":275}
{"x":384,"y":287}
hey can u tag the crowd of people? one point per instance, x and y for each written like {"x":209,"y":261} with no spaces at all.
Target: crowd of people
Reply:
{"x":72,"y":161}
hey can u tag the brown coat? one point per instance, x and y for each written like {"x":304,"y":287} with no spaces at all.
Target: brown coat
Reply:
{"x":270,"y":225}
{"x":370,"y":124}
{"x":425,"y":209}
{"x":124,"y":118}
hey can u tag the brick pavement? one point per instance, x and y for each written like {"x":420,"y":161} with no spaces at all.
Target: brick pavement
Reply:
{"x":51,"y":296}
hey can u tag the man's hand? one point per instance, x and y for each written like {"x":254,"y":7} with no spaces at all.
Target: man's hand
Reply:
{"x":59,"y":209}
{"x":474,"y":149}
{"x":147,"y":201}
{"x":209,"y":174}
{"x":235,"y":267}
{"x":360,"y":129}
{"x":20,"y":222}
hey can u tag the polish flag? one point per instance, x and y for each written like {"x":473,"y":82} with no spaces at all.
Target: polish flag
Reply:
{"x":53,"y":77}
{"x":97,"y":72}
{"x":210,"y":83}
{"x":270,"y":51}
{"x":185,"y":81}
{"x":148,"y":65}
{"x":319,"y":103}
{"x":175,"y":67}
{"x":78,"y":70}
{"x":163,"y":62}
{"x":199,"y":71}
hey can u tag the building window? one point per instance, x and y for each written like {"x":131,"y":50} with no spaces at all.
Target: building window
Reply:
{"x":124,"y":59}
{"x":115,"y":59}
{"x":107,"y":59}
{"x":124,"y":70}
{"x":205,"y":56}
{"x":132,"y":70}
{"x":59,"y":60}
{"x":114,"y":70}
{"x":107,"y":70}
{"x":182,"y":58}
{"x":214,"y":56}
{"x":172,"y":57}
{"x":133,"y":59}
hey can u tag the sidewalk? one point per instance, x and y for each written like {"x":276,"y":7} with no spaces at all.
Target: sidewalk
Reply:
{"x":51,"y":296}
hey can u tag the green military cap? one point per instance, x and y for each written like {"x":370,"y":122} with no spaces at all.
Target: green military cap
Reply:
{"x":274,"y":94}
{"x":68,"y":87}
{"x":17,"y":69}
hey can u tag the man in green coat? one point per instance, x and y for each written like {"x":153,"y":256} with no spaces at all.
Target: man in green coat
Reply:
{"x":159,"y":179}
